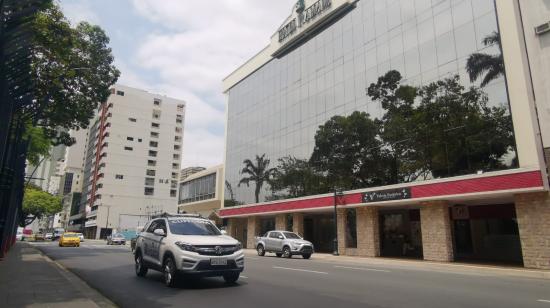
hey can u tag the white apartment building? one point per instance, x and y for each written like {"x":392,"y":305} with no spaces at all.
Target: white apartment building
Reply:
{"x":132,"y":161}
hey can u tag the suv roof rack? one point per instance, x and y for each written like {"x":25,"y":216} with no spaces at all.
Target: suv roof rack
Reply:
{"x":169,"y":215}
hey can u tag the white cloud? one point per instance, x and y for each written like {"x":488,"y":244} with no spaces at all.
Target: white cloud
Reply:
{"x":202,"y":42}
{"x":80,"y":11}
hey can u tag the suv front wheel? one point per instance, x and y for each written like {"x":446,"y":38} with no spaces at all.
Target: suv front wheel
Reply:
{"x":261,"y":250}
{"x":231,"y":277}
{"x":169,"y":271}
{"x":141,"y":269}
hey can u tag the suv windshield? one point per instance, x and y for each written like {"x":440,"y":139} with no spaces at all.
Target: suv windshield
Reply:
{"x":290,"y":235}
{"x":192,"y":227}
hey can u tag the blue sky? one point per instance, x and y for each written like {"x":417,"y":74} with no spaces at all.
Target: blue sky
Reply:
{"x":184,"y":48}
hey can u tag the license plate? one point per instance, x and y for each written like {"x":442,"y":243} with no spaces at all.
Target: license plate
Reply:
{"x":218,"y":262}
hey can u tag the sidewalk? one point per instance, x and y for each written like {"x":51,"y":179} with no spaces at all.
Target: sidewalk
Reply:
{"x":30,"y":279}
{"x":481,"y":269}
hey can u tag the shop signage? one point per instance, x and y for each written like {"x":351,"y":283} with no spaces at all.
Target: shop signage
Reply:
{"x":387,"y":195}
{"x":304,"y":17}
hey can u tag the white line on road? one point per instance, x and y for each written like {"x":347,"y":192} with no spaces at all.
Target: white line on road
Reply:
{"x":299,"y":270}
{"x":543,"y":301}
{"x":363,"y":269}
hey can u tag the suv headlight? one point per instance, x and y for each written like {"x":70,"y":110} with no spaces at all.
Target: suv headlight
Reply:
{"x":186,"y":247}
{"x":239,"y":246}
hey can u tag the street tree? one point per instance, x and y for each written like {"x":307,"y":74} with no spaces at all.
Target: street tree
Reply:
{"x":258,"y":172}
{"x":38,"y":204}
{"x":72,"y":72}
{"x":296,"y":177}
{"x":486,"y":66}
{"x":348,"y":152}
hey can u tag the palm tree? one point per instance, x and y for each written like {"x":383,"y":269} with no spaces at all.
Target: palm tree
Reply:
{"x":259,"y":173}
{"x":492,"y":66}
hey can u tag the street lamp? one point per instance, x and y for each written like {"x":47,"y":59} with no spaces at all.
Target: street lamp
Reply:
{"x":337,"y":193}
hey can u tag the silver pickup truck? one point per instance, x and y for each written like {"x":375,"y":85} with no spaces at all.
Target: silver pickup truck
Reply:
{"x":283,"y":243}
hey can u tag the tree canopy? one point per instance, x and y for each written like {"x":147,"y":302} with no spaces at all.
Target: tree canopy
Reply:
{"x":296,"y":177}
{"x":72,"y":71}
{"x":38,"y":204}
{"x":486,"y":66}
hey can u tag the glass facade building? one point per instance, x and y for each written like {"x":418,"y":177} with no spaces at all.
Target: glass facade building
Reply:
{"x":278,"y":109}
{"x":199,"y":189}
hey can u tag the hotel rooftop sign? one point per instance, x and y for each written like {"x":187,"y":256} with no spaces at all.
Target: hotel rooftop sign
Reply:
{"x":307,"y":17}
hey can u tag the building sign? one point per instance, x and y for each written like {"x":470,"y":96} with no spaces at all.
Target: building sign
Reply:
{"x":387,"y":195}
{"x":304,"y":17}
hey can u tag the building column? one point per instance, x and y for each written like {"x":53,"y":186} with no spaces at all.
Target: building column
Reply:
{"x":298,"y":223}
{"x":253,"y":230}
{"x":232,"y":227}
{"x":368,"y":232}
{"x":342,"y":224}
{"x":280,"y":222}
{"x":533,"y":215}
{"x":437,"y":240}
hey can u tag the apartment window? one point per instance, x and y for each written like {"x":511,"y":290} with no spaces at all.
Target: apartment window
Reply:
{"x":119,"y":177}
{"x":156,"y":114}
{"x":157,"y":102}
{"x":139,"y":140}
{"x":150,"y":181}
{"x":178,"y":121}
{"x":120,"y":93}
{"x":180,"y":107}
{"x":155,"y":125}
{"x":151,"y":172}
{"x":175,"y":166}
{"x":161,"y":181}
{"x":130,"y":138}
{"x":154,"y":135}
{"x":173,"y":193}
{"x":151,"y":162}
{"x":128,"y":148}
{"x":153,"y":144}
{"x":178,"y":130}
{"x":174,"y":184}
{"x":149,"y":191}
{"x":174,"y":175}
{"x":132,"y":119}
{"x":176,"y":147}
{"x":177,"y":139}
{"x":176,"y":156}
{"x":153,"y":153}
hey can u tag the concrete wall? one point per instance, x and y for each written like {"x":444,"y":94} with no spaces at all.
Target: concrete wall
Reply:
{"x":533,"y":214}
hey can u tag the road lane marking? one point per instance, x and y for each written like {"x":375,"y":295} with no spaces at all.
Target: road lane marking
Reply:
{"x":363,"y":269}
{"x":299,"y":270}
{"x":543,"y":301}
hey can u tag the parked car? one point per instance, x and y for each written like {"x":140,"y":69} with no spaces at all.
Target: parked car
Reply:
{"x":19,"y":235}
{"x":39,"y":237}
{"x":81,"y":237}
{"x":69,"y":239}
{"x":283,"y":243}
{"x":187,"y":245}
{"x":57,"y":233}
{"x":117,"y":239}
{"x":48,"y":236}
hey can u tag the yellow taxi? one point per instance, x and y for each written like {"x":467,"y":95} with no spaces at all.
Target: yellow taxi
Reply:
{"x":69,"y":239}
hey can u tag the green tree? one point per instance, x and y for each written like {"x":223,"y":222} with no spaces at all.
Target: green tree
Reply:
{"x":348,"y":152}
{"x":490,"y":67}
{"x":403,"y":156}
{"x":72,"y":71}
{"x":38,"y":204}
{"x":39,"y":144}
{"x":297,"y":178}
{"x":259,"y":173}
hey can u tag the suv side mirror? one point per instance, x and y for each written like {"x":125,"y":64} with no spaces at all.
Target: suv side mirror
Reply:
{"x":159,"y":232}
{"x":281,"y":237}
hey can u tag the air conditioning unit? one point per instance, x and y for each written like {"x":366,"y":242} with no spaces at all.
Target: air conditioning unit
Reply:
{"x":540,"y":30}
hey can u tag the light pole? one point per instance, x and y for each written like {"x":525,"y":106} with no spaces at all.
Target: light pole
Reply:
{"x":107,"y":221}
{"x":337,"y":193}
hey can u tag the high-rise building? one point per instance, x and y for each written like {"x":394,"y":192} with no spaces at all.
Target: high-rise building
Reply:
{"x":132,"y":161}
{"x":186,"y":172}
{"x":423,"y":177}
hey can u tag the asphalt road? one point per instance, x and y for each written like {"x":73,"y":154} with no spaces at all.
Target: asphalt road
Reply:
{"x":275,"y":282}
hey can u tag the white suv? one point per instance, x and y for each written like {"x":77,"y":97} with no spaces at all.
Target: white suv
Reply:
{"x":182,"y":244}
